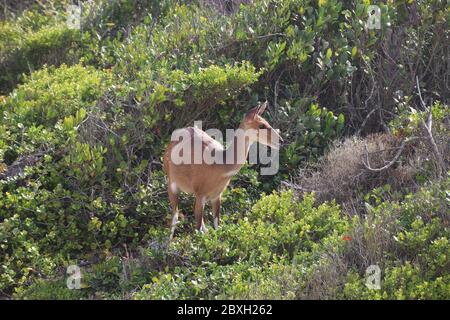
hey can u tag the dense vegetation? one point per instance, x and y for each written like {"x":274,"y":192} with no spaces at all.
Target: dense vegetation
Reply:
{"x":364,"y":170}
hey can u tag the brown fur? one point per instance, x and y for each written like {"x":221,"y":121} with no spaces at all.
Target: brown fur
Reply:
{"x":207,"y":181}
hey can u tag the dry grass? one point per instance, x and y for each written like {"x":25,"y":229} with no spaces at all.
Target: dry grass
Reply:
{"x":326,"y":280}
{"x":343,"y":173}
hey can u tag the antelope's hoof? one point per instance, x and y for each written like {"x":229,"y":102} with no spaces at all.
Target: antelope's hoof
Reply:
{"x":216,"y":223}
{"x":203,"y":229}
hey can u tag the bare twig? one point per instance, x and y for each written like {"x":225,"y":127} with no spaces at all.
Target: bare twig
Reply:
{"x":365,"y":120}
{"x":420,"y":94}
{"x":298,"y":187}
{"x":397,"y":155}
{"x":428,"y":128}
{"x":434,"y":146}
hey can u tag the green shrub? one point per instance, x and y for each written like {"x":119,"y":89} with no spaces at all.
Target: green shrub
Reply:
{"x":276,"y":233}
{"x":410,"y":242}
{"x":25,"y":51}
{"x":49,"y":290}
{"x":313,"y":132}
{"x":48,"y":97}
{"x":52,"y":94}
{"x":34,"y":221}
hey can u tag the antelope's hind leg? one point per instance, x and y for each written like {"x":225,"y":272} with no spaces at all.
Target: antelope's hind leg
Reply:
{"x":172,"y":190}
{"x":198,"y":213}
{"x":216,"y":211}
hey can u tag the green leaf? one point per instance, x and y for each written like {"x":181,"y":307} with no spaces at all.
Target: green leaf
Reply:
{"x":329,"y":53}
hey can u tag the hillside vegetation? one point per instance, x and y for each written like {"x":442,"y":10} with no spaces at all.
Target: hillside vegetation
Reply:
{"x":364,"y":175}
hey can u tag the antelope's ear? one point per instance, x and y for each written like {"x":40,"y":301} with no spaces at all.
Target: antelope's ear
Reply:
{"x":262,"y":107}
{"x":258,"y":110}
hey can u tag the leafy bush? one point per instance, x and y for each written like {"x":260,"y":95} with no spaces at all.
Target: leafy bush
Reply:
{"x":313,"y":132}
{"x":34,"y":221}
{"x":409,"y":240}
{"x":25,"y":49}
{"x":276,"y":233}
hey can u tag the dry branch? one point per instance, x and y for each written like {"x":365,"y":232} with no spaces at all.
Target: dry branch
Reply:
{"x":397,"y":155}
{"x":428,"y":129}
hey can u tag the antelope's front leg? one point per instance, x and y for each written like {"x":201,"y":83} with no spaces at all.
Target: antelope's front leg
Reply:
{"x":216,"y":211}
{"x":198,"y":213}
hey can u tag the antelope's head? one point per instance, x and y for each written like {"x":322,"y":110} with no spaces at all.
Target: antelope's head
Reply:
{"x":258,"y":129}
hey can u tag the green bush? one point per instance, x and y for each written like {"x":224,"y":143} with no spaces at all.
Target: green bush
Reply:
{"x":24,"y":51}
{"x":49,"y":290}
{"x":43,"y":111}
{"x":313,"y":131}
{"x":275,"y":234}
{"x":282,"y":248}
{"x":413,"y":252}
{"x":42,"y":115}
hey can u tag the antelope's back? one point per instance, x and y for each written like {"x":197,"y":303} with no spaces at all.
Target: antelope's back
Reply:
{"x":186,"y":173}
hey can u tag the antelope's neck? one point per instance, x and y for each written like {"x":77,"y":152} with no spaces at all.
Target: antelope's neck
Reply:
{"x":236,"y":154}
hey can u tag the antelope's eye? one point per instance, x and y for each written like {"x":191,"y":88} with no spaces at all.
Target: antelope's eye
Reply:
{"x":262,"y":126}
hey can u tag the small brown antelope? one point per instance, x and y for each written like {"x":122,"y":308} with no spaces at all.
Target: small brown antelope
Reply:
{"x":208,"y":180}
